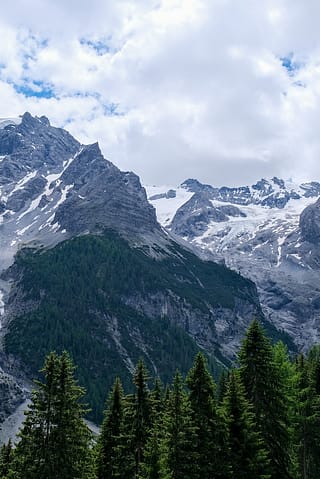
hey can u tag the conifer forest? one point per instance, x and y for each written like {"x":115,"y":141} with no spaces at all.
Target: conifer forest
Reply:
{"x":260,"y":420}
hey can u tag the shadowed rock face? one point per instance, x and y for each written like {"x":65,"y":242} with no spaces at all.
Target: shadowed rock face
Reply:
{"x":103,"y":196}
{"x":193,"y":217}
{"x":310,"y":223}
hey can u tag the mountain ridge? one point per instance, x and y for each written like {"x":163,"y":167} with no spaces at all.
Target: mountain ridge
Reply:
{"x":268,"y":232}
{"x":75,"y":231}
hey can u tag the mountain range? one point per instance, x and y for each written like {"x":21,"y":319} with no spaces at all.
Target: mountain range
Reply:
{"x":86,"y":266}
{"x":269,"y":232}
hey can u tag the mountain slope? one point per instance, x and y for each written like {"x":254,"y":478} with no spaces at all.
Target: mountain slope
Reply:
{"x":95,"y":273}
{"x":109,"y":304}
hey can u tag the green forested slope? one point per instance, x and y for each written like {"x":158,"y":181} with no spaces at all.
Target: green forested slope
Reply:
{"x":79,"y":289}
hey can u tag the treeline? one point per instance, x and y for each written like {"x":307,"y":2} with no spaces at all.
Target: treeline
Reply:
{"x":262,"y":421}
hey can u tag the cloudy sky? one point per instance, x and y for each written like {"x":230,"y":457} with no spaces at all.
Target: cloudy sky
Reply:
{"x":220,"y":90}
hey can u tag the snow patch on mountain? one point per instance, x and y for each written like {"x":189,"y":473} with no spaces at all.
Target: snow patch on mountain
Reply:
{"x":165,"y":204}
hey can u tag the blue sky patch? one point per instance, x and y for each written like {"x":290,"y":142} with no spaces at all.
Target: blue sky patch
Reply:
{"x":36,"y":89}
{"x":290,"y":64}
{"x":101,"y":47}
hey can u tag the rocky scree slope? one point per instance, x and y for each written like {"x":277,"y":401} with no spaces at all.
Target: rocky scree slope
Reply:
{"x":269,"y":232}
{"x":96,"y":274}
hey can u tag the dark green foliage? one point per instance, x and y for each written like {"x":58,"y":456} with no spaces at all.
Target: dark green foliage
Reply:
{"x":180,"y":434}
{"x":247,"y":454}
{"x":78,"y":289}
{"x":110,"y":439}
{"x":54,"y":440}
{"x":210,"y":435}
{"x":153,"y":466}
{"x":222,"y":385}
{"x":140,"y":414}
{"x":6,"y":458}
{"x":266,"y":390}
{"x":307,"y":432}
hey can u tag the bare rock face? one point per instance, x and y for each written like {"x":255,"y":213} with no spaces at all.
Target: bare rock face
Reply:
{"x":103,"y":197}
{"x":192,"y":218}
{"x":52,"y":188}
{"x":310,"y":223}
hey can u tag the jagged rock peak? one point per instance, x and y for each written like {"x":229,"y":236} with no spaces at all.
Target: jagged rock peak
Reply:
{"x":52,"y":187}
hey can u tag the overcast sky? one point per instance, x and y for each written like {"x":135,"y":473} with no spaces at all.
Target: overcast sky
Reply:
{"x":225,"y":91}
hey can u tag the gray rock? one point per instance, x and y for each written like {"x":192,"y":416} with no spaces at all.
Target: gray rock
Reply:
{"x":310,"y":223}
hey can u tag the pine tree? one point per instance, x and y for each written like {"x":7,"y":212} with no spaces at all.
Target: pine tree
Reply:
{"x":222,"y":385}
{"x":180,"y":434}
{"x":211,"y":438}
{"x":266,"y":391}
{"x":156,"y":401}
{"x":138,"y":416}
{"x":6,"y":458}
{"x":54,"y":441}
{"x":307,"y":432}
{"x":247,"y":454}
{"x":154,"y":466}
{"x":109,"y":443}
{"x":288,"y":379}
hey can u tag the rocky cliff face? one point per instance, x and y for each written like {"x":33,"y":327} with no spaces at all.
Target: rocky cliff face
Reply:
{"x":52,"y":188}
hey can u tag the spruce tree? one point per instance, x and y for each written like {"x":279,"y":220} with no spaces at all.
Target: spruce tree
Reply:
{"x":54,"y":440}
{"x":180,"y":434}
{"x":6,"y":458}
{"x":307,"y":432}
{"x":110,"y":440}
{"x":266,"y":391}
{"x":138,"y":417}
{"x":246,"y":453}
{"x":154,"y":465}
{"x":210,"y":435}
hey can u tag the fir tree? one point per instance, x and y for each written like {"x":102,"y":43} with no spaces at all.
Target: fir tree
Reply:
{"x":247,"y":454}
{"x":54,"y":441}
{"x":180,"y":434}
{"x":222,"y":385}
{"x":138,"y":417}
{"x":211,"y":438}
{"x":154,"y":466}
{"x":307,"y":433}
{"x":6,"y":458}
{"x":109,"y":443}
{"x":156,"y":401}
{"x":266,"y":391}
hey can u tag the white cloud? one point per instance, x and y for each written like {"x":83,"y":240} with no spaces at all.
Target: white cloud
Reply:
{"x":199,"y":85}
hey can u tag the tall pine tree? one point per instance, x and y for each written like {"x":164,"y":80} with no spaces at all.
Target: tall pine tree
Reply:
{"x":180,"y":434}
{"x":138,"y":416}
{"x":307,"y":431}
{"x":211,"y":434}
{"x":266,"y":391}
{"x":248,"y":457}
{"x":55,"y":441}
{"x":109,"y":460}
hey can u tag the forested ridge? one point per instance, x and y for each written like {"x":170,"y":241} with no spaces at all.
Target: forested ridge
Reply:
{"x":84,"y":293}
{"x":260,"y":421}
